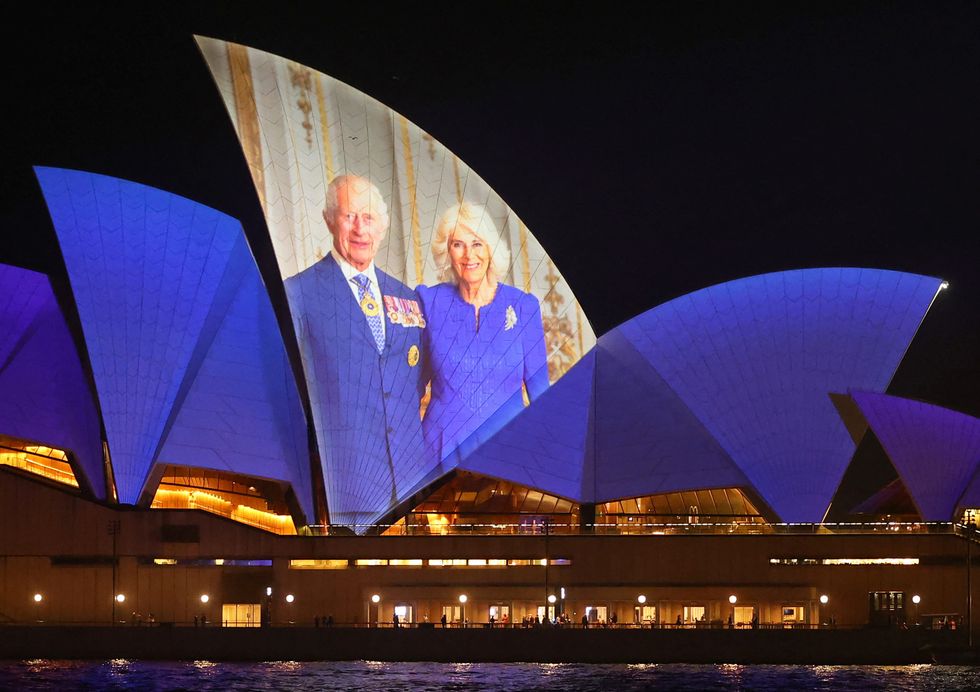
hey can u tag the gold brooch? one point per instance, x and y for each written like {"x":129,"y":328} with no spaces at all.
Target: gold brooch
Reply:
{"x":511,"y":318}
{"x":413,"y":356}
{"x":369,"y":305}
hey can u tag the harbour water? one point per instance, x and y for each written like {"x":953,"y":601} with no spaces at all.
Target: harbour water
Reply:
{"x":203,"y":676}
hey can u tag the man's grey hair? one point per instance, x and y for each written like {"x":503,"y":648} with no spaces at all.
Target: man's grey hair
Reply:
{"x":357,"y":182}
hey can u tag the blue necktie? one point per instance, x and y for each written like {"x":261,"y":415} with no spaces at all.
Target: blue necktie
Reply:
{"x":374,"y":321}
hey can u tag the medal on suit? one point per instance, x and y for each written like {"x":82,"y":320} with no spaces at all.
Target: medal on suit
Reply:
{"x":370,"y":306}
{"x":413,"y":356}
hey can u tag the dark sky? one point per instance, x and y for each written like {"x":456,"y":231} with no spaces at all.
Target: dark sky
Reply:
{"x":651,"y":153}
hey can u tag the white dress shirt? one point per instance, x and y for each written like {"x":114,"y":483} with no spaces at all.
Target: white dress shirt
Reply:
{"x":350,"y":272}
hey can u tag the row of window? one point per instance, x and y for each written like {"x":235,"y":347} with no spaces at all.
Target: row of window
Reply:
{"x":843,"y":561}
{"x":420,"y":562}
{"x":369,"y":562}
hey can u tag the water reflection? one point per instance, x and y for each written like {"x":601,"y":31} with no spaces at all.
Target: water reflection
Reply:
{"x":204,"y":676}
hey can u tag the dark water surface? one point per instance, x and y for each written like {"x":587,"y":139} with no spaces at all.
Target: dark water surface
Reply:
{"x":418,"y":677}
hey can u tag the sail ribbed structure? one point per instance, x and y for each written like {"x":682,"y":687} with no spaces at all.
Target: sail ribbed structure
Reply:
{"x":46,"y":396}
{"x":730,"y":387}
{"x":935,"y":450}
{"x":181,"y":337}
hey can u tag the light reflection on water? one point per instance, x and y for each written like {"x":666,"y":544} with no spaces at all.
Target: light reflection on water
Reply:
{"x":205,"y":676}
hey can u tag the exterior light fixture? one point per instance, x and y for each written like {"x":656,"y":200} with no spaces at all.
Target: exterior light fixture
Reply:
{"x":552,"y":598}
{"x":268,"y":591}
{"x":641,"y":599}
{"x":944,"y":285}
{"x":205,"y":598}
{"x":463,"y":598}
{"x":824,"y":599}
{"x":916,"y":599}
{"x":563,"y":593}
{"x":375,"y":598}
{"x":120,"y":598}
{"x":733,"y":599}
{"x":290,"y":598}
{"x":38,"y":598}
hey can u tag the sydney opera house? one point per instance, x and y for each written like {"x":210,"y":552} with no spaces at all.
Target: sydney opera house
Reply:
{"x":368,"y":441}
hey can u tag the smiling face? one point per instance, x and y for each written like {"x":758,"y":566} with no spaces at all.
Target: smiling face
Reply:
{"x":469,"y":255}
{"x":357,"y":222}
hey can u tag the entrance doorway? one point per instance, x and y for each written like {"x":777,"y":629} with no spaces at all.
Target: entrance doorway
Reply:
{"x":453,"y":614}
{"x":241,"y":614}
{"x":744,"y":616}
{"x":405,"y":613}
{"x":500,"y":613}
{"x":645,"y":615}
{"x":596,"y":614}
{"x":694,"y":614}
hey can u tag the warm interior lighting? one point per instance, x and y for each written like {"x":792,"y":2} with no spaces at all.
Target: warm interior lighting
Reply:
{"x":844,"y":561}
{"x":318,"y":564}
{"x":48,"y":462}
{"x":227,"y":495}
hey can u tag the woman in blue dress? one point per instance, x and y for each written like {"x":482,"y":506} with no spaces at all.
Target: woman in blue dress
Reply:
{"x":484,"y":339}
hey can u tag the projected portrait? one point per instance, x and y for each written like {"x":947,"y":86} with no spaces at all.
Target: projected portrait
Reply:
{"x":485,"y":340}
{"x":427,"y":314}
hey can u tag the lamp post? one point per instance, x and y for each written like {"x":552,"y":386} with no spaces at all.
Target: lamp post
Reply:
{"x":916,"y":600}
{"x":38,"y":600}
{"x":462,"y":609}
{"x":824,"y":599}
{"x":374,"y":610}
{"x":971,"y":527}
{"x":733,"y":599}
{"x":113,"y":529}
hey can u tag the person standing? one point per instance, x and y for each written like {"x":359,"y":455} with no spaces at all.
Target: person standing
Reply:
{"x":485,"y":339}
{"x":360,"y":336}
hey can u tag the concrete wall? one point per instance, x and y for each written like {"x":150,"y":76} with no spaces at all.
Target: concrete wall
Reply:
{"x":54,"y":543}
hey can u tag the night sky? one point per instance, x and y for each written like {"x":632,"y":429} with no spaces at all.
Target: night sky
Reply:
{"x":651,"y":154}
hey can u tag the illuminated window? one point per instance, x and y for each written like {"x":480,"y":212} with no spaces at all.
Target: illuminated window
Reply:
{"x":406,"y":563}
{"x":256,"y":502}
{"x":844,"y":561}
{"x":46,"y":462}
{"x":694,"y":614}
{"x":371,"y":563}
{"x":318,"y":564}
{"x":714,"y":505}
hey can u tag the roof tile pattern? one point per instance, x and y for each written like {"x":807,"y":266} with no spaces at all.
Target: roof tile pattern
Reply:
{"x":165,"y":290}
{"x":756,"y":359}
{"x":935,"y":450}
{"x":47,"y":396}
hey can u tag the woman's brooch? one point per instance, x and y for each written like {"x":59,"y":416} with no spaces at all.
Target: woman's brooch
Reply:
{"x":511,"y":318}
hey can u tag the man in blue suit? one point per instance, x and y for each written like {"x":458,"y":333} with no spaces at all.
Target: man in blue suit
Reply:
{"x":360,"y":335}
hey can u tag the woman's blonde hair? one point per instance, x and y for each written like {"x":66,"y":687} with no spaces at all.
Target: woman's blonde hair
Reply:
{"x":476,"y":219}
